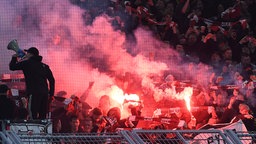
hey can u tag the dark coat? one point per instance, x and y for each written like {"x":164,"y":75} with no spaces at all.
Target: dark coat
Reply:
{"x":7,"y":108}
{"x":36,"y":75}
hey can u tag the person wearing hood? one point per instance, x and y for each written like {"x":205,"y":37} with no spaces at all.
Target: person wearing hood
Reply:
{"x":39,"y":81}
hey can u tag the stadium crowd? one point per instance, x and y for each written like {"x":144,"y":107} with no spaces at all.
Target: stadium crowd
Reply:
{"x":218,"y":33}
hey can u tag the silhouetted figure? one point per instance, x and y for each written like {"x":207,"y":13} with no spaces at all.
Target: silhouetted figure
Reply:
{"x":7,"y":106}
{"x":37,"y":76}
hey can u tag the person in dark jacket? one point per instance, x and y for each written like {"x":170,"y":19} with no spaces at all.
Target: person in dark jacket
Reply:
{"x":40,"y":82}
{"x":7,"y":105}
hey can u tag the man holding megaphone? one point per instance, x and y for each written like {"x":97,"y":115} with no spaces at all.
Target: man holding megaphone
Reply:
{"x":40,"y":82}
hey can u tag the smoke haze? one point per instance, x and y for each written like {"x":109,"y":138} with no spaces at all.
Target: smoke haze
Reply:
{"x":79,"y":53}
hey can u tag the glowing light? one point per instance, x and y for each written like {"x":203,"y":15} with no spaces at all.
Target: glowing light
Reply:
{"x":117,"y":94}
{"x":187,"y":100}
{"x":131,"y":99}
{"x":123,"y":100}
{"x":186,"y":94}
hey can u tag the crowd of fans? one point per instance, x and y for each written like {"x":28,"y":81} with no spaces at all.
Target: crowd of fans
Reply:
{"x":216,"y":107}
{"x":219,"y":33}
{"x":74,"y":115}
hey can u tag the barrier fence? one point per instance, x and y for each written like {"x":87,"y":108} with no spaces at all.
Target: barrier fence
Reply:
{"x":135,"y":136}
{"x":180,"y":136}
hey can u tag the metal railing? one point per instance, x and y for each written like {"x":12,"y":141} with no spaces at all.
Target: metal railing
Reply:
{"x":241,"y":137}
{"x":3,"y":138}
{"x":135,"y":136}
{"x":180,"y":136}
{"x":72,"y":138}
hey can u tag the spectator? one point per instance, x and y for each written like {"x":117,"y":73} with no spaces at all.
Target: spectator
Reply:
{"x":58,"y":100}
{"x":225,"y":77}
{"x":202,"y":117}
{"x":112,"y":119}
{"x":104,"y":104}
{"x":246,"y":50}
{"x":84,"y":110}
{"x":75,"y":125}
{"x":227,"y":56}
{"x":168,"y":31}
{"x":22,"y":109}
{"x":97,"y":120}
{"x":246,"y":116}
{"x":180,"y":15}
{"x":194,"y":46}
{"x":231,"y":111}
{"x":85,"y":94}
{"x":61,"y":115}
{"x":180,"y":49}
{"x":133,"y":120}
{"x":245,"y":67}
{"x":37,"y":75}
{"x":219,"y":101}
{"x":7,"y":106}
{"x":81,"y":109}
{"x":87,"y":125}
{"x":216,"y":62}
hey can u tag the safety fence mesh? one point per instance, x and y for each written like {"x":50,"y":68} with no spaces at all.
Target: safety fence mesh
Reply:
{"x":73,"y":138}
{"x":180,"y":136}
{"x":40,"y":133}
{"x":134,"y":137}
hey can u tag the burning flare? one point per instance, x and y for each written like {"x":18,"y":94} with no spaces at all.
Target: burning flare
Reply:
{"x":122,"y":100}
{"x":186,"y":95}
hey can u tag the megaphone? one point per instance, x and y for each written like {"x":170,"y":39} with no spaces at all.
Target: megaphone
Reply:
{"x":13,"y":45}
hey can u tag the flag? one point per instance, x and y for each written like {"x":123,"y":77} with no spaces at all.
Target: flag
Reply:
{"x":215,"y":137}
